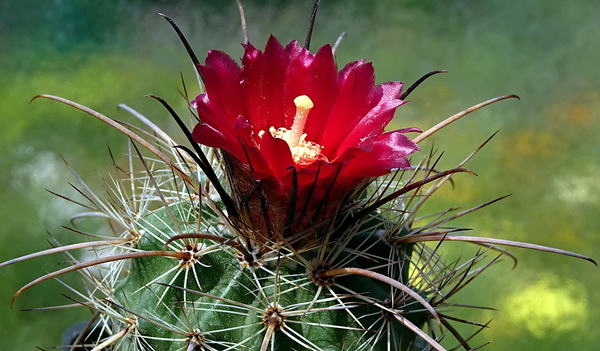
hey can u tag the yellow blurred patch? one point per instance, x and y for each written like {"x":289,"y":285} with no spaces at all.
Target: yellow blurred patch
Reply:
{"x":521,"y":148}
{"x":548,"y":306}
{"x":579,"y":111}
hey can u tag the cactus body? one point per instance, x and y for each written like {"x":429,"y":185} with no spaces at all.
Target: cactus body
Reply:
{"x":229,"y":303}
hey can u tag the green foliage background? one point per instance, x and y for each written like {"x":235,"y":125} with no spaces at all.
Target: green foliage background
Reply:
{"x":547,"y":153}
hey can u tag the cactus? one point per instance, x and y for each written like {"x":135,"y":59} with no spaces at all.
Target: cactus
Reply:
{"x":225,"y":245}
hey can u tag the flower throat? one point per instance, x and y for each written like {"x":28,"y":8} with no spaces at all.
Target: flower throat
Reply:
{"x":303,"y":152}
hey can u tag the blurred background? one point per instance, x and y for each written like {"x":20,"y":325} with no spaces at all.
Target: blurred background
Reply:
{"x":547,"y":153}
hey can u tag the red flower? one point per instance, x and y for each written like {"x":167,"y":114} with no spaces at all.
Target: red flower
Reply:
{"x":287,"y":108}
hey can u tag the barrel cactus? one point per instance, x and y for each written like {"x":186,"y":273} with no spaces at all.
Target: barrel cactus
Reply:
{"x":290,"y":221}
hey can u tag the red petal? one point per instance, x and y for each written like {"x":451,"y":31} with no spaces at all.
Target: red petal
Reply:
{"x":357,"y":96}
{"x":372,"y":125}
{"x":276,"y":65}
{"x":205,"y":134}
{"x":254,"y":158}
{"x":277,"y":154}
{"x":208,"y":115}
{"x":314,"y":76}
{"x":374,"y":122}
{"x":221,"y":76}
{"x":263,"y":77}
{"x":388,"y":152}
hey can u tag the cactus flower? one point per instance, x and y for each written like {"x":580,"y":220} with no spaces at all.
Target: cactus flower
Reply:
{"x":288,"y":111}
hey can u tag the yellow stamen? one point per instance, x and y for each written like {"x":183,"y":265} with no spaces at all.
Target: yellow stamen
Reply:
{"x":303,"y":151}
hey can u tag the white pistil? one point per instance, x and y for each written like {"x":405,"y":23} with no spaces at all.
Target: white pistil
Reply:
{"x":303,"y":105}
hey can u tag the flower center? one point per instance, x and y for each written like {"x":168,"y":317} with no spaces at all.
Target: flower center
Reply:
{"x":303,"y":151}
